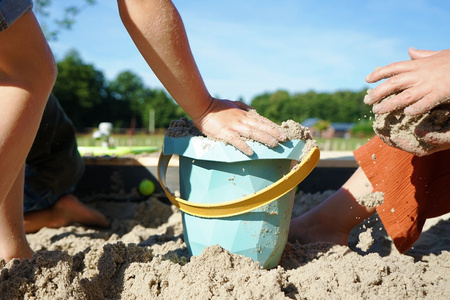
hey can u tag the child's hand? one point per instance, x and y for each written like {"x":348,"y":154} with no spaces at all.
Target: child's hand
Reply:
{"x":441,"y":140}
{"x":230,"y":122}
{"x":421,"y":83}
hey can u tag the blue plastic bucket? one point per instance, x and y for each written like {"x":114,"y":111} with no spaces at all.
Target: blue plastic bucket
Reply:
{"x":213,"y":173}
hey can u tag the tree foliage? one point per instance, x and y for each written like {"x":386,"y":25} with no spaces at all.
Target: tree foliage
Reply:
{"x":340,"y":106}
{"x":89,"y":99}
{"x":363,"y":128}
{"x":322,"y":125}
{"x":81,"y":90}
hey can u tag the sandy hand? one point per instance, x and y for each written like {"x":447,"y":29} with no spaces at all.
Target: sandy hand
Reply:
{"x":407,"y":146}
{"x":419,"y":84}
{"x":231,"y":122}
{"x":440,"y":140}
{"x":426,"y":144}
{"x":420,"y":135}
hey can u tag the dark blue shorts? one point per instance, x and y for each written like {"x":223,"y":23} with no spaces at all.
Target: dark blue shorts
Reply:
{"x":53,"y":165}
{"x":33,"y":200}
{"x":11,"y":10}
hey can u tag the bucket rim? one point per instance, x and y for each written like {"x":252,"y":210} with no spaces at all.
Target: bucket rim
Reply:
{"x":203,"y":148}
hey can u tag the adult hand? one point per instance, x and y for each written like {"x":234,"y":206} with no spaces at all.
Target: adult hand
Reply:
{"x":419,"y":84}
{"x":231,"y":122}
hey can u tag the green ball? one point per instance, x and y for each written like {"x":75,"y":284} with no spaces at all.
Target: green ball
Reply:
{"x":146,"y":187}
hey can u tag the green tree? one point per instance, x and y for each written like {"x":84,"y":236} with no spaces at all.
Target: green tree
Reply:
{"x":272,"y":106}
{"x":363,"y":128}
{"x":165,"y":108}
{"x":340,"y":106}
{"x":128,"y":90}
{"x":261,"y":103}
{"x":322,"y":125}
{"x":277,"y":102}
{"x":81,"y":90}
{"x":125,"y":101}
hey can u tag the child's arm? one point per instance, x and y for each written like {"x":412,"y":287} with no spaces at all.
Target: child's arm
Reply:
{"x":158,"y":32}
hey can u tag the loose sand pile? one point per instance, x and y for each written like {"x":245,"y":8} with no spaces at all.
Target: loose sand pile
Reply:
{"x":143,"y":256}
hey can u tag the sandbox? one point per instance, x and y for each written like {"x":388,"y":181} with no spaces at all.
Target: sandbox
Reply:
{"x":143,"y":255}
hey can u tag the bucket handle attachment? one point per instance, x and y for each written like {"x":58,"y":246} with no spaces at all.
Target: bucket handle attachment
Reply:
{"x":244,"y":204}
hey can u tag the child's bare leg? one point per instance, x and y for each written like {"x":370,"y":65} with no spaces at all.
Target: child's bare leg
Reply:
{"x":333,"y":219}
{"x":27,"y":75}
{"x":14,"y":243}
{"x":66,"y":211}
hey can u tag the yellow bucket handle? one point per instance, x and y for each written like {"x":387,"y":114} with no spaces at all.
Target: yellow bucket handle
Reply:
{"x":244,"y":204}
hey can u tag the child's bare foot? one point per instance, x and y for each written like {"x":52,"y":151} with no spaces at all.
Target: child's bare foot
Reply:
{"x":333,"y":220}
{"x":13,"y":241}
{"x":19,"y":248}
{"x":312,"y":228}
{"x":66,"y":211}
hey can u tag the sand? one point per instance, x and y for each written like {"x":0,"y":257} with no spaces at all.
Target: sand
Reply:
{"x":371,"y":199}
{"x":395,"y":127}
{"x":143,"y":256}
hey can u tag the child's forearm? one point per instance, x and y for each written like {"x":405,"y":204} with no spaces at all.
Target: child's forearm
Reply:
{"x":158,"y":32}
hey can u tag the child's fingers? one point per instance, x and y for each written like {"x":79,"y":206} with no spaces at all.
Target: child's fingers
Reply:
{"x":236,"y":140}
{"x":401,"y":100}
{"x":266,"y":125}
{"x":406,"y":146}
{"x":417,"y":54}
{"x":425,"y":104}
{"x":393,"y":85}
{"x":435,"y":138}
{"x":388,"y":71}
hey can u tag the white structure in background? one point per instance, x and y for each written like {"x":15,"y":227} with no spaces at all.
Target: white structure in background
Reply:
{"x":104,"y":133}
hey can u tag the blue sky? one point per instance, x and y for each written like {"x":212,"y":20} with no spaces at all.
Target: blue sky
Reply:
{"x":244,"y":48}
